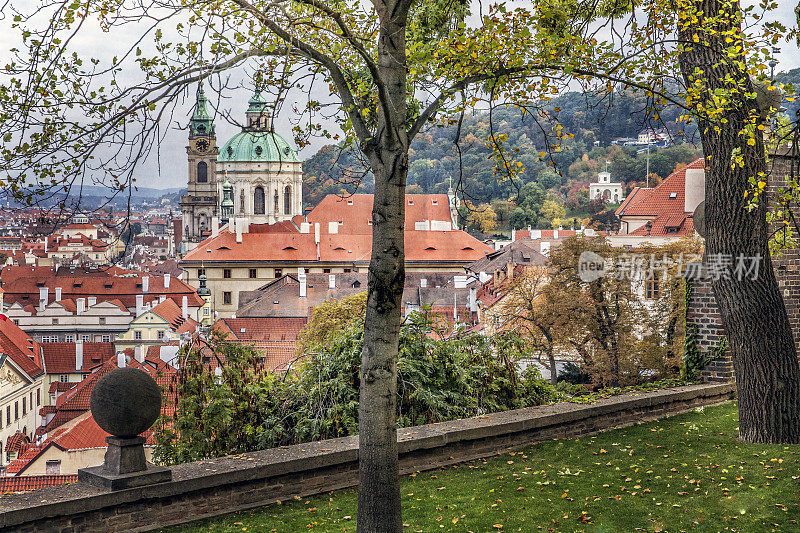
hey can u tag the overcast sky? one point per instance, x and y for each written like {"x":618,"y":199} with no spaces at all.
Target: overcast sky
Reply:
{"x":167,"y":167}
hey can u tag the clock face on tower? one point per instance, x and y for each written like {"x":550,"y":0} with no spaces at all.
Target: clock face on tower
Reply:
{"x":202,"y":145}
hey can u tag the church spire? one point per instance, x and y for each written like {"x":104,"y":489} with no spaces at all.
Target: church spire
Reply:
{"x":258,"y":113}
{"x":201,"y":124}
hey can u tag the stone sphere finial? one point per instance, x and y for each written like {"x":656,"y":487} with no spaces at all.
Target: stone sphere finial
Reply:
{"x":126,"y":402}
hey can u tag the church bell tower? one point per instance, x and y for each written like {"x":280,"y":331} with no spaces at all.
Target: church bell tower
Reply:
{"x":199,"y":205}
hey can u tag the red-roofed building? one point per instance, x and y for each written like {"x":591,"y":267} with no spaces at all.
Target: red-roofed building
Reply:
{"x":335,"y":238}
{"x":662,"y":214}
{"x":33,"y":285}
{"x":161,"y":323}
{"x":21,"y":388}
{"x":274,"y":337}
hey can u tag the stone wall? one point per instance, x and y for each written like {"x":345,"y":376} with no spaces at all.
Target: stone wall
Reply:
{"x":233,"y":483}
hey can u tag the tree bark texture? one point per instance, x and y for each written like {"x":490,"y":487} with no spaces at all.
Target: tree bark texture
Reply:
{"x":379,"y":508}
{"x":752,"y":310}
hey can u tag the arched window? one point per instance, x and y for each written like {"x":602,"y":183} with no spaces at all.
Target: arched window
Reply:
{"x":258,"y":201}
{"x":275,"y":203}
{"x":287,"y":200}
{"x":202,"y":172}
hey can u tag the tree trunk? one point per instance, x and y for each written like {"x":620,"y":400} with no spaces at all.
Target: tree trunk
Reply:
{"x":553,"y":369}
{"x":379,"y":508}
{"x":752,"y":310}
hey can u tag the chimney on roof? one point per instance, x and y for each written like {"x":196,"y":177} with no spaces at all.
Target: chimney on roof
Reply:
{"x":58,"y":294}
{"x":44,"y":296}
{"x":139,"y":304}
{"x":316,"y":232}
{"x":166,"y":281}
{"x":145,"y":284}
{"x":694,"y":189}
{"x":138,"y":353}
{"x":121,"y":360}
{"x":80,"y":304}
{"x":79,"y":354}
{"x":214,"y":226}
{"x":483,"y":277}
{"x":513,"y":235}
{"x":162,"y":298}
{"x":185,"y":307}
{"x":239,"y":231}
{"x":331,"y":281}
{"x":423,"y":282}
{"x":473,"y":299}
{"x":303,"y":288}
{"x":555,"y":234}
{"x":544,"y":248}
{"x":92,"y":300}
{"x":535,"y":233}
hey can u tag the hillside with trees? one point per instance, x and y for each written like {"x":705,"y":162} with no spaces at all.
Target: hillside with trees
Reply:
{"x":545,"y":192}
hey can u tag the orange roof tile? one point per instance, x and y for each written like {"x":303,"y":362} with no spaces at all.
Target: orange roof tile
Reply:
{"x":26,"y":483}
{"x":17,"y":345}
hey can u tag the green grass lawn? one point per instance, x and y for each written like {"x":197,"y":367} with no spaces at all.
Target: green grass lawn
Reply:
{"x":685,"y":473}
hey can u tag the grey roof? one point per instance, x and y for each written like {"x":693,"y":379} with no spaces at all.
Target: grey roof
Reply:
{"x":281,"y":297}
{"x":517,"y":252}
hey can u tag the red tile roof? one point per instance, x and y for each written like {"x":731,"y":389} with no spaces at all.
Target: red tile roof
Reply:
{"x":352,"y":242}
{"x":59,"y":357}
{"x":17,"y":345}
{"x":27,"y":483}
{"x":22,"y":284}
{"x":17,"y":442}
{"x":169,"y":311}
{"x":355,"y":212}
{"x":665,"y":203}
{"x":273,"y":337}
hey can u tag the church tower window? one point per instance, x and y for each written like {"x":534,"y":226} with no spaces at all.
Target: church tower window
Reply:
{"x":202,"y":172}
{"x":258,"y":201}
{"x":287,"y":201}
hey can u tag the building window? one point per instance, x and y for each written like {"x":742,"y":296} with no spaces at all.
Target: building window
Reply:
{"x":275,"y":203}
{"x":226,"y":273}
{"x":346,"y":270}
{"x":326,"y":270}
{"x":50,"y":338}
{"x":287,"y":200}
{"x":69,"y":337}
{"x":86,"y":338}
{"x":54,"y":321}
{"x":253,"y":273}
{"x":53,"y":467}
{"x":258,"y":201}
{"x":161,"y":334}
{"x":38,"y":397}
{"x":106,"y":338}
{"x":206,"y":311}
{"x":202,"y":172}
{"x":651,"y":287}
{"x":102,"y":320}
{"x":63,"y":378}
{"x":278,"y":272}
{"x":201,"y":272}
{"x":8,"y":414}
{"x":226,"y":298}
{"x":137,"y":335}
{"x":16,"y":410}
{"x":24,"y":406}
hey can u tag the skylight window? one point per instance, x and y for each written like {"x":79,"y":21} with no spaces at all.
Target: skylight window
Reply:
{"x":673,"y":195}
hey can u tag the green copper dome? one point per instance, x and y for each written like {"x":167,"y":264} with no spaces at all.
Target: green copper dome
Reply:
{"x":257,"y":146}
